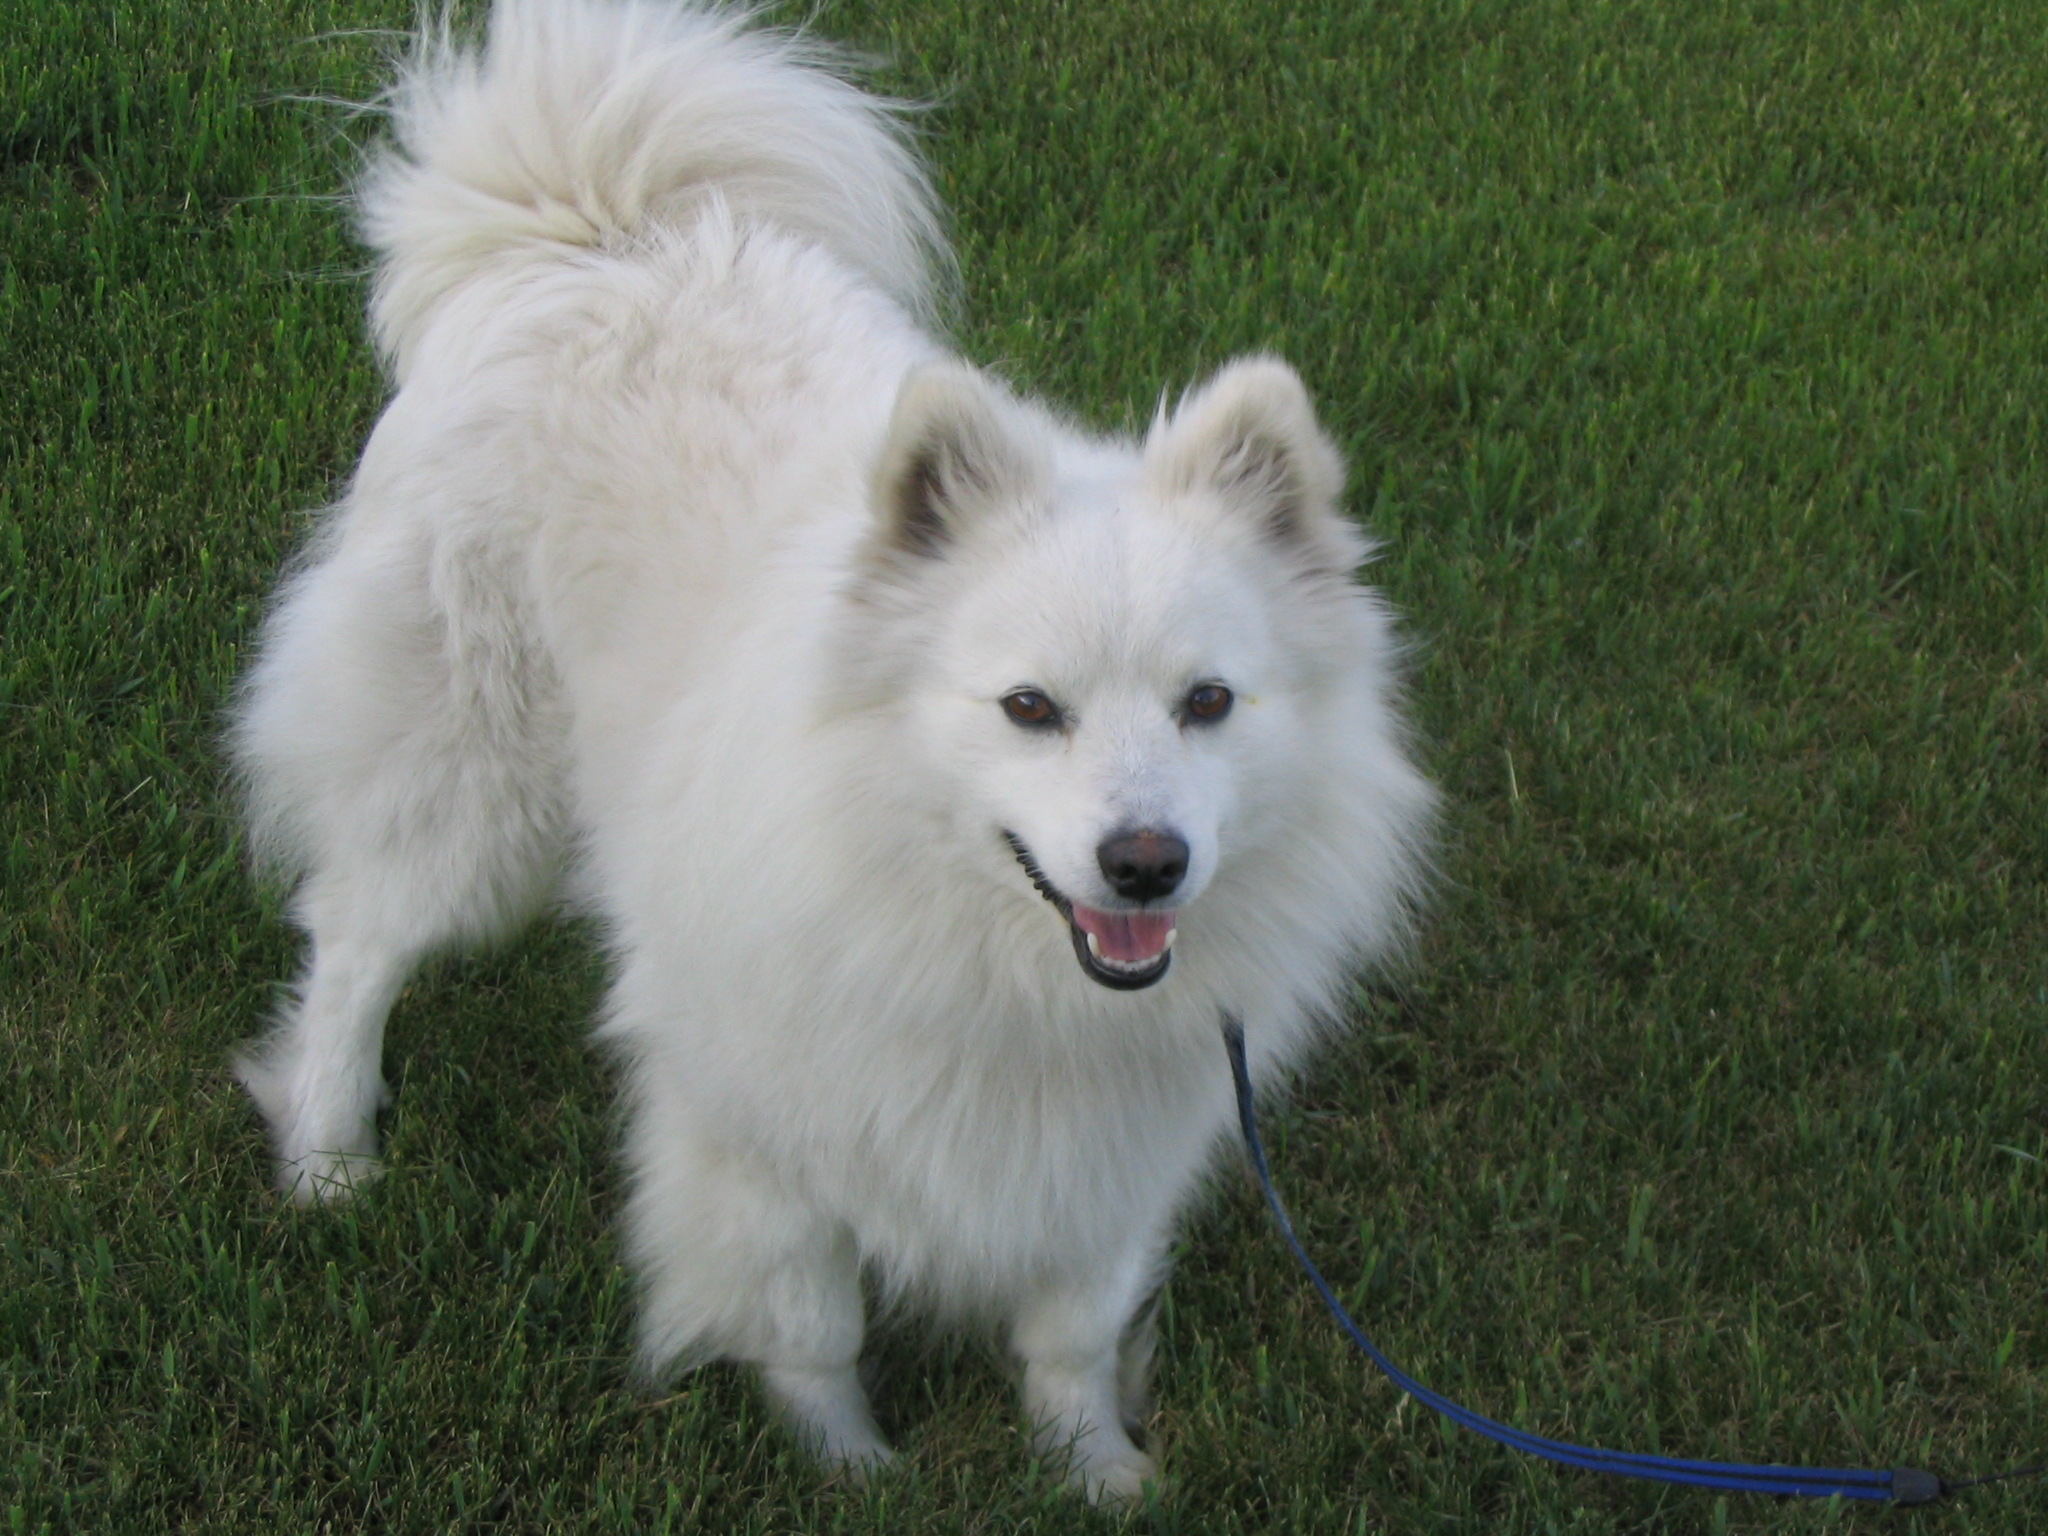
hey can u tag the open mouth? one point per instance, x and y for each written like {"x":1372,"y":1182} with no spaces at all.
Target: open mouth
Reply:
{"x":1125,"y":950}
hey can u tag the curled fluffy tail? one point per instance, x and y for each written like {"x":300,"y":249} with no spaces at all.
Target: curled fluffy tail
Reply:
{"x":591,"y":122}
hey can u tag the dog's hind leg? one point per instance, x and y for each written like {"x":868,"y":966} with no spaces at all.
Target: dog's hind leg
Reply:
{"x":317,"y":1078}
{"x":396,"y":763}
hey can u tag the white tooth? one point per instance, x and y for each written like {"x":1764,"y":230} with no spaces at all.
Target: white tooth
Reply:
{"x":1171,"y":935}
{"x":1094,"y":948}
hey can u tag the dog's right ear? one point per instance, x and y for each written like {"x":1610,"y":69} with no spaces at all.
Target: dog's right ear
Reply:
{"x":1249,"y":442}
{"x":950,"y":454}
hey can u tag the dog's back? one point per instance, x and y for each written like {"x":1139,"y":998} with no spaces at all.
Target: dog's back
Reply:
{"x":544,"y":215}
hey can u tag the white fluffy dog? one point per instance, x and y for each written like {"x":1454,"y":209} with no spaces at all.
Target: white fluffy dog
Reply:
{"x":938,"y":770}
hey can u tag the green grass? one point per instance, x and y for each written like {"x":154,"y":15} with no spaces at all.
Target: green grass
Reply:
{"x":1692,"y":359}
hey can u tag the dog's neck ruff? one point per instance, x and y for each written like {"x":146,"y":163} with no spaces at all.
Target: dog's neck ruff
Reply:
{"x":1125,"y":951}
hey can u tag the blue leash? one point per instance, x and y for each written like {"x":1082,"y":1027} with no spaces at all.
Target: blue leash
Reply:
{"x":1900,"y":1485}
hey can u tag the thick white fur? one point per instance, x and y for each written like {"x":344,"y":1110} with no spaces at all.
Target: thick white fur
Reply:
{"x":685,"y":575}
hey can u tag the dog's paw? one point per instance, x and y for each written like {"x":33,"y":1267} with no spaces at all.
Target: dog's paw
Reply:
{"x":829,"y":1413}
{"x":327,"y":1178}
{"x":1099,"y":1463}
{"x":861,"y":1467}
{"x":324,"y":1135}
{"x":1115,"y":1482}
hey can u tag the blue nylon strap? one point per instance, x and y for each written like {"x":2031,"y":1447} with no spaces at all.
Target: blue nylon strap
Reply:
{"x":1903,"y":1485}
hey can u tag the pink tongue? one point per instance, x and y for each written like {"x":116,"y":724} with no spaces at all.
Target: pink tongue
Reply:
{"x":1126,"y":936}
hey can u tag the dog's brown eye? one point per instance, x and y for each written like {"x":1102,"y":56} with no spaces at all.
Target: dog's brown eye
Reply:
{"x":1027,"y":706}
{"x":1211,"y":701}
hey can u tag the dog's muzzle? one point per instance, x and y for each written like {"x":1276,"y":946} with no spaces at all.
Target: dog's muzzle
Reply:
{"x":1126,"y":951}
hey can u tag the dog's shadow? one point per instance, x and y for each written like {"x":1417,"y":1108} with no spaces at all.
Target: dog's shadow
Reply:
{"x":492,"y":1069}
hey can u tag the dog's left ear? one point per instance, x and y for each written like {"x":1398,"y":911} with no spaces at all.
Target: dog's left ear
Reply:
{"x":955,"y":448}
{"x":1249,"y":438}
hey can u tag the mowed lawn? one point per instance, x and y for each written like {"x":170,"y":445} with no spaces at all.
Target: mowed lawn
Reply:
{"x":1691,"y":358}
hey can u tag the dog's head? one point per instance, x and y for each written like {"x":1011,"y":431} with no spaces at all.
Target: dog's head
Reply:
{"x":1108,"y":657}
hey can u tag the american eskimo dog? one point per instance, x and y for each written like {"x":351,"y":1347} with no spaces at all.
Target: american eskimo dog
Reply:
{"x":937,"y":769}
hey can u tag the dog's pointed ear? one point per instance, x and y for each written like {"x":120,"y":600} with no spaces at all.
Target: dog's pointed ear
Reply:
{"x":1249,"y":439}
{"x":953,"y":450}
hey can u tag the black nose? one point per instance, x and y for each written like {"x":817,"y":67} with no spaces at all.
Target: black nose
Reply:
{"x":1143,"y":866}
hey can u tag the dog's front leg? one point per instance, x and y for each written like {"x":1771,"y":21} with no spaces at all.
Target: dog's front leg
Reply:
{"x":1075,"y":1337}
{"x":734,"y":1263}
